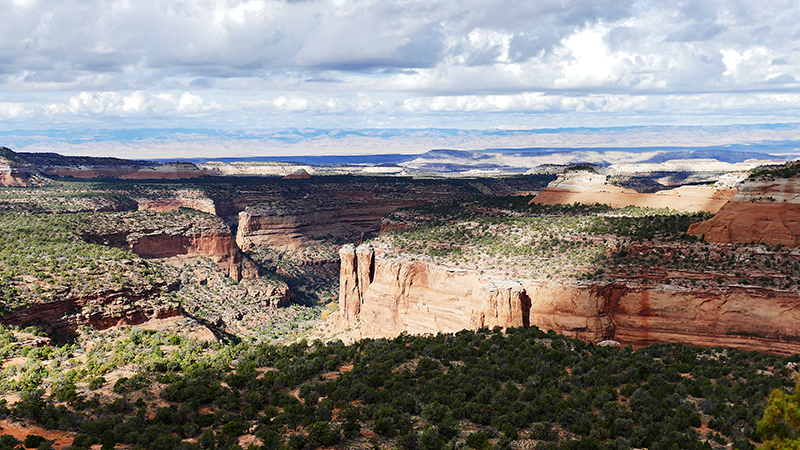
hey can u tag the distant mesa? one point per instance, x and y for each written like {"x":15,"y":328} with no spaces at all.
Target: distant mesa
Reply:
{"x":589,"y":187}
{"x":17,"y":169}
{"x":761,"y":206}
{"x":298,"y":174}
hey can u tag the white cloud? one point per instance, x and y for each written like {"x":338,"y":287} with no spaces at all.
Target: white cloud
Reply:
{"x":291,"y":104}
{"x":591,"y":59}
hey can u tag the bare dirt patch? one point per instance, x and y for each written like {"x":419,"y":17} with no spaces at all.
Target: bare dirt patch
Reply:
{"x":61,"y":439}
{"x":19,"y":360}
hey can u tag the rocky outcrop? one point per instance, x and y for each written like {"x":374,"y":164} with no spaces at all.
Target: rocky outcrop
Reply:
{"x":15,"y":174}
{"x":191,"y":243}
{"x":383,"y":296}
{"x":762,"y":212}
{"x":164,"y":205}
{"x":14,"y":170}
{"x":299,"y":174}
{"x":104,"y":309}
{"x":290,"y":228}
{"x":212,"y":240}
{"x":590,"y":188}
{"x":387,"y":296}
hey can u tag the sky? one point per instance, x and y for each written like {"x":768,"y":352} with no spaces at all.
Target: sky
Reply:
{"x":404,"y":64}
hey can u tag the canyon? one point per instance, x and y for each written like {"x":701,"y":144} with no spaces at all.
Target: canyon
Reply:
{"x":183,"y":233}
{"x":310,"y":220}
{"x":292,"y":224}
{"x":291,"y":227}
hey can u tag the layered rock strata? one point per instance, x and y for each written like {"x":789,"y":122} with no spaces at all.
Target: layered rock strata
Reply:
{"x":123,"y":169}
{"x":220,"y":247}
{"x":762,"y":212}
{"x":216,"y":243}
{"x":14,"y":170}
{"x":383,"y":296}
{"x":590,"y":188}
{"x":103,"y":309}
{"x":294,"y":227}
{"x":15,"y":174}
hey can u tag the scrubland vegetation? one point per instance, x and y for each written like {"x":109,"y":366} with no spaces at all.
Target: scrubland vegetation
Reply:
{"x":786,"y":170}
{"x":42,"y":258}
{"x":521,"y":388}
{"x":53,"y":196}
{"x":585,"y":242}
{"x":311,"y":272}
{"x":508,"y":234}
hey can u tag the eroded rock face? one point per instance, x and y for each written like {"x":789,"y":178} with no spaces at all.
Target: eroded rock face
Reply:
{"x":590,"y":188}
{"x":383,"y":296}
{"x":292,"y":229}
{"x":15,"y":175}
{"x":104,"y":309}
{"x":14,"y":170}
{"x":164,"y":205}
{"x":212,"y":240}
{"x":762,"y":212}
{"x":190,"y":243}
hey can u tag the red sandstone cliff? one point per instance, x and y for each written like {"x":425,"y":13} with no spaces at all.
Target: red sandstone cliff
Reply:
{"x":763,"y":212}
{"x":292,"y":229}
{"x":590,"y":188}
{"x":103,"y":309}
{"x":382,"y":296}
{"x":214,"y":243}
{"x":219,"y":246}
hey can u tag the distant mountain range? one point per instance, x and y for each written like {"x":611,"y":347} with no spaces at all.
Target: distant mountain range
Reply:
{"x":380,"y":146}
{"x":440,"y":161}
{"x":513,"y":160}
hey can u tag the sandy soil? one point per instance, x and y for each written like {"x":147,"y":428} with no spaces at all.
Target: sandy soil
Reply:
{"x":19,"y":360}
{"x":589,"y":189}
{"x":61,"y":439}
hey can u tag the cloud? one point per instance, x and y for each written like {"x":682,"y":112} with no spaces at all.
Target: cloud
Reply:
{"x":331,"y":61}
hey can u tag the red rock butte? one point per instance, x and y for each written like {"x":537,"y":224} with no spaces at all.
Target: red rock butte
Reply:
{"x":762,"y":212}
